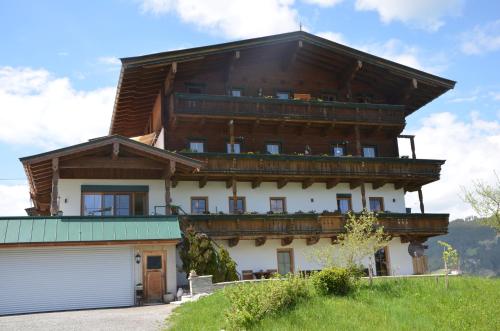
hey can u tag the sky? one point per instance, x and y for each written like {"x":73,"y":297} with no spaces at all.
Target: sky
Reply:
{"x":59,"y":66}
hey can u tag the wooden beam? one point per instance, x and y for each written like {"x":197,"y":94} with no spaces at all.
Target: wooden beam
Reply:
{"x":332,"y":183}
{"x":355,"y":183}
{"x":54,"y":206}
{"x":281,"y":183}
{"x":399,"y":185}
{"x":170,"y":78}
{"x":363,"y":195}
{"x":357,"y":139}
{"x":233,"y":241}
{"x":286,"y":241}
{"x":169,"y":172}
{"x":345,"y":78}
{"x":91,"y":162}
{"x":307,"y":183}
{"x":256,"y":183}
{"x":230,"y":66}
{"x":202,"y":182}
{"x":377,"y":185}
{"x":229,"y":183}
{"x":175,"y":181}
{"x":421,"y":200}
{"x":235,"y":196}
{"x":290,"y":55}
{"x":260,"y":241}
{"x":231,"y":136}
{"x":408,"y":91}
{"x":312,"y":240}
{"x":116,"y":151}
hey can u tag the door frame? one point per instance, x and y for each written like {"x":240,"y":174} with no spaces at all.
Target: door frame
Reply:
{"x":145,"y":255}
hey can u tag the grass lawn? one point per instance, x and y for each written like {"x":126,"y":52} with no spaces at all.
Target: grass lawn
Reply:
{"x":471,"y":303}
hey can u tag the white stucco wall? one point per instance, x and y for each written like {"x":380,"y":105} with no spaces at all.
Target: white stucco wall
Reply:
{"x":249,"y":257}
{"x":316,"y":197}
{"x":70,"y":192}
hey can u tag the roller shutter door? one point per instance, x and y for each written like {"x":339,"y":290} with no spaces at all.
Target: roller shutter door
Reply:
{"x":48,"y":279}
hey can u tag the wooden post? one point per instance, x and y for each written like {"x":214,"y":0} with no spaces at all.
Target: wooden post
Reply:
{"x":169,"y":172}
{"x":231,"y":136}
{"x":421,"y":200}
{"x":54,"y":206}
{"x":358,"y":140}
{"x":235,"y":196}
{"x":363,"y":195}
{"x":412,"y":144}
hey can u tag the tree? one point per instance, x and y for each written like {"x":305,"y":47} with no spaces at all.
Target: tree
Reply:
{"x":450,"y":258}
{"x":485,"y":200}
{"x":363,"y":237}
{"x":199,"y":253}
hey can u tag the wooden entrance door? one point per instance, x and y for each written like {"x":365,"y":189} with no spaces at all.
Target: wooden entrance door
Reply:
{"x":154,"y":276}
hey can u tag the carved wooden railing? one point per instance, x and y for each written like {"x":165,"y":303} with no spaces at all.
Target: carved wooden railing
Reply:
{"x":258,"y":107}
{"x":304,"y":225}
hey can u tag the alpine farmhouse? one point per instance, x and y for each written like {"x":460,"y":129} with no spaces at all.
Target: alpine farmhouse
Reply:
{"x":262,"y":144}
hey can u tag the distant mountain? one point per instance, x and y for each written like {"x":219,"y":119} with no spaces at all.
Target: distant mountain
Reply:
{"x":477,"y":244}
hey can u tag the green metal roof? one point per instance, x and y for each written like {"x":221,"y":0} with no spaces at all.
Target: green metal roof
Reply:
{"x":19,"y":230}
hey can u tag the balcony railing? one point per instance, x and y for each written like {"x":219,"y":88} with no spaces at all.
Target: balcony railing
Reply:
{"x":306,"y":225}
{"x":262,"y":108}
{"x":409,"y":172}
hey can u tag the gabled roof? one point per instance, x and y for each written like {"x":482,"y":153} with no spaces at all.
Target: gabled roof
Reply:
{"x":25,"y":231}
{"x":141,"y":77}
{"x":94,"y":159}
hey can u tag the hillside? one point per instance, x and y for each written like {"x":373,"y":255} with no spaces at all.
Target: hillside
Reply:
{"x":478,"y":246}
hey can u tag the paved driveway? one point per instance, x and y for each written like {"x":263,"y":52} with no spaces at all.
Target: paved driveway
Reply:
{"x":134,"y":318}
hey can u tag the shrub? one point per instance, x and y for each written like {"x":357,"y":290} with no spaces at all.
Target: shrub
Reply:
{"x":336,"y":281}
{"x":250,"y":302}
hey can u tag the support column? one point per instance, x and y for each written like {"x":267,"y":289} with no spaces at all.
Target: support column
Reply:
{"x":412,"y":144}
{"x":231,"y":136}
{"x":421,"y":200}
{"x":357,"y":140}
{"x":363,"y":195}
{"x":169,"y":172}
{"x":235,"y":196}
{"x":54,"y":206}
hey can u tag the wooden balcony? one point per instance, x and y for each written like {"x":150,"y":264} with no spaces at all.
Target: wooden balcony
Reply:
{"x":291,"y":110}
{"x":310,"y":226}
{"x":409,"y":174}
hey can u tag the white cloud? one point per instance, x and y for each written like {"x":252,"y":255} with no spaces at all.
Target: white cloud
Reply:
{"x":323,"y":3}
{"x":333,"y":36}
{"x":481,"y":39}
{"x":110,"y":60}
{"x":424,"y":14}
{"x":495,"y":95}
{"x":232,"y":19}
{"x":14,"y":199}
{"x":46,"y":111}
{"x":470,"y":149}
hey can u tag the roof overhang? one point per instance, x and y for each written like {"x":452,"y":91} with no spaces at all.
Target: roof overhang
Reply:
{"x":110,"y":157}
{"x":142,"y":77}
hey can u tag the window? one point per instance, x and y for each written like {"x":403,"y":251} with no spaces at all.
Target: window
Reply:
{"x":278,"y":205}
{"x":338,"y":150}
{"x":154,"y":262}
{"x":344,"y":203}
{"x":197,"y":146}
{"x":240,"y":205}
{"x":199,"y":205}
{"x":114,"y":204}
{"x":236,"y":92}
{"x":283,"y":95}
{"x":369,"y":151}
{"x":237,"y":148}
{"x":376,"y":204}
{"x":285,"y":261}
{"x":273,"y":148}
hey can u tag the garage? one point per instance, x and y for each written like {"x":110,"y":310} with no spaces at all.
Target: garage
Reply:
{"x":68,"y":262}
{"x":64,"y":278}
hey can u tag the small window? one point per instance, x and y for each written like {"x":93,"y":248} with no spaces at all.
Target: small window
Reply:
{"x":197,"y":146}
{"x":154,"y":262}
{"x":236,"y":92}
{"x":199,"y":205}
{"x":240,"y":205}
{"x":285,"y":261}
{"x":237,"y":148}
{"x":273,"y":148}
{"x":283,"y":95}
{"x":338,"y":150}
{"x":369,"y":151}
{"x":344,"y":203}
{"x":278,"y":205}
{"x":376,"y":204}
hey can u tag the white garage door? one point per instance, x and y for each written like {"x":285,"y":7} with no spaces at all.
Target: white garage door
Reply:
{"x":45,"y":279}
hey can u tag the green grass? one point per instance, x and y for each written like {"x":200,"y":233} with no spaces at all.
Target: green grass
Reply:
{"x":471,"y":303}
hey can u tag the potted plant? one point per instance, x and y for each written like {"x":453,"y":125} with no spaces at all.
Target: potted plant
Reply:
{"x":168,"y":297}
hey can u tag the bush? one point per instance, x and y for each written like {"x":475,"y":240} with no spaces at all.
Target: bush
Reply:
{"x":336,"y":281}
{"x":250,"y":302}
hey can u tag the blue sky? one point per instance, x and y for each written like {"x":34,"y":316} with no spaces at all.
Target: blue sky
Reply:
{"x":59,"y":67}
